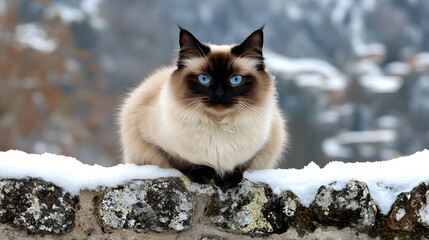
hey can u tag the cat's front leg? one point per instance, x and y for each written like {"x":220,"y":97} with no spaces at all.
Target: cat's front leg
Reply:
{"x":199,"y":173}
{"x":230,"y":179}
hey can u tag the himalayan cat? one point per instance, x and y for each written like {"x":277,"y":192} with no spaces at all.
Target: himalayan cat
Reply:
{"x":212,"y":116}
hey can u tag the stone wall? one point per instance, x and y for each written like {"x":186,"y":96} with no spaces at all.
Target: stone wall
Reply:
{"x":175,"y":208}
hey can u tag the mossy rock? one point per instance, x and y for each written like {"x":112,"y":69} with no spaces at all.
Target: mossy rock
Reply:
{"x":382,"y":231}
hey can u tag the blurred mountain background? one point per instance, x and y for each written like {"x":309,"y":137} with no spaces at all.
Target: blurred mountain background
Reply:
{"x":352,"y":75}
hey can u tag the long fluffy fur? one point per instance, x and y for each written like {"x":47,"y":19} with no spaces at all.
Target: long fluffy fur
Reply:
{"x":157,"y":122}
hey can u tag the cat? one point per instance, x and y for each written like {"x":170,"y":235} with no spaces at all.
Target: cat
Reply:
{"x":211,"y":116}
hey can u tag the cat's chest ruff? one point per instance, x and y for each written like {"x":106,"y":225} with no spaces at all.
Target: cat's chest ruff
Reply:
{"x":215,"y":126}
{"x":214,"y":132}
{"x":220,"y":143}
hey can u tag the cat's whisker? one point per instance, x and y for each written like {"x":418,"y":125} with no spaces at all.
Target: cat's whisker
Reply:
{"x":247,"y":100}
{"x":185,"y":106}
{"x":190,"y":99}
{"x":188,"y":107}
{"x":258,"y":119}
{"x":190,"y":111}
{"x":245,"y":114}
{"x":253,"y":111}
{"x":251,"y":108}
{"x":251,"y":105}
{"x":195,"y":115}
{"x":251,"y":120}
{"x":182,"y":117}
{"x":255,"y":114}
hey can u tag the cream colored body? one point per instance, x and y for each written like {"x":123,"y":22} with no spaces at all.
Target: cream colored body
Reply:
{"x":150,"y":117}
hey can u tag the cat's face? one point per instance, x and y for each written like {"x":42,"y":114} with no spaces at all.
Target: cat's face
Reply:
{"x":221,"y":79}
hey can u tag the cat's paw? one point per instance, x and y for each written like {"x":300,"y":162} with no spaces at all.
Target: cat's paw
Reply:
{"x":229,"y":180}
{"x":200,"y":174}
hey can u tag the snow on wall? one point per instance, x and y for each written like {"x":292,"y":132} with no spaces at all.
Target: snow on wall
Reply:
{"x":386,"y":180}
{"x":71,"y":174}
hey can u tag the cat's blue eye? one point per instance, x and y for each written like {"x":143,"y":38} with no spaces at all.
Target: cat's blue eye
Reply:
{"x":235,"y":80}
{"x":204,"y":79}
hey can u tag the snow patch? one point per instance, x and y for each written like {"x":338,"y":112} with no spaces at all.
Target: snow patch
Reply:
{"x":375,"y":136}
{"x":381,"y":84}
{"x":91,"y":7}
{"x":332,"y":148}
{"x":367,"y":67}
{"x":308,"y":72}
{"x":388,"y":121}
{"x":340,"y":11}
{"x":32,"y":35}
{"x":398,"y":68}
{"x":424,"y":215}
{"x":71,"y":174}
{"x":422,"y":61}
{"x":293,"y":11}
{"x":386,"y":180}
{"x":65,"y":13}
{"x":400,"y":214}
{"x":371,"y":49}
{"x":87,"y":8}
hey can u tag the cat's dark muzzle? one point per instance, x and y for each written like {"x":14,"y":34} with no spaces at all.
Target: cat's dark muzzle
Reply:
{"x":220,"y":103}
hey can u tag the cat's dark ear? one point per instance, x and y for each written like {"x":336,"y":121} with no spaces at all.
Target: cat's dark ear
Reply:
{"x":190,"y":47}
{"x":251,"y":47}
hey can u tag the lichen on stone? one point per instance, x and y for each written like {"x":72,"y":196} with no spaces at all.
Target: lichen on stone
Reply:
{"x":36,"y":205}
{"x":257,"y":220}
{"x":241,"y":209}
{"x":351,"y":206}
{"x":196,"y":188}
{"x":157,"y":204}
{"x":290,"y":205}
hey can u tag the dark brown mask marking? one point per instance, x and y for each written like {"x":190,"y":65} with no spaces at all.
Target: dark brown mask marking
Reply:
{"x":220,"y":67}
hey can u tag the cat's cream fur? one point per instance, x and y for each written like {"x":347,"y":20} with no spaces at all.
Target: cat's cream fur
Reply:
{"x":154,"y":117}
